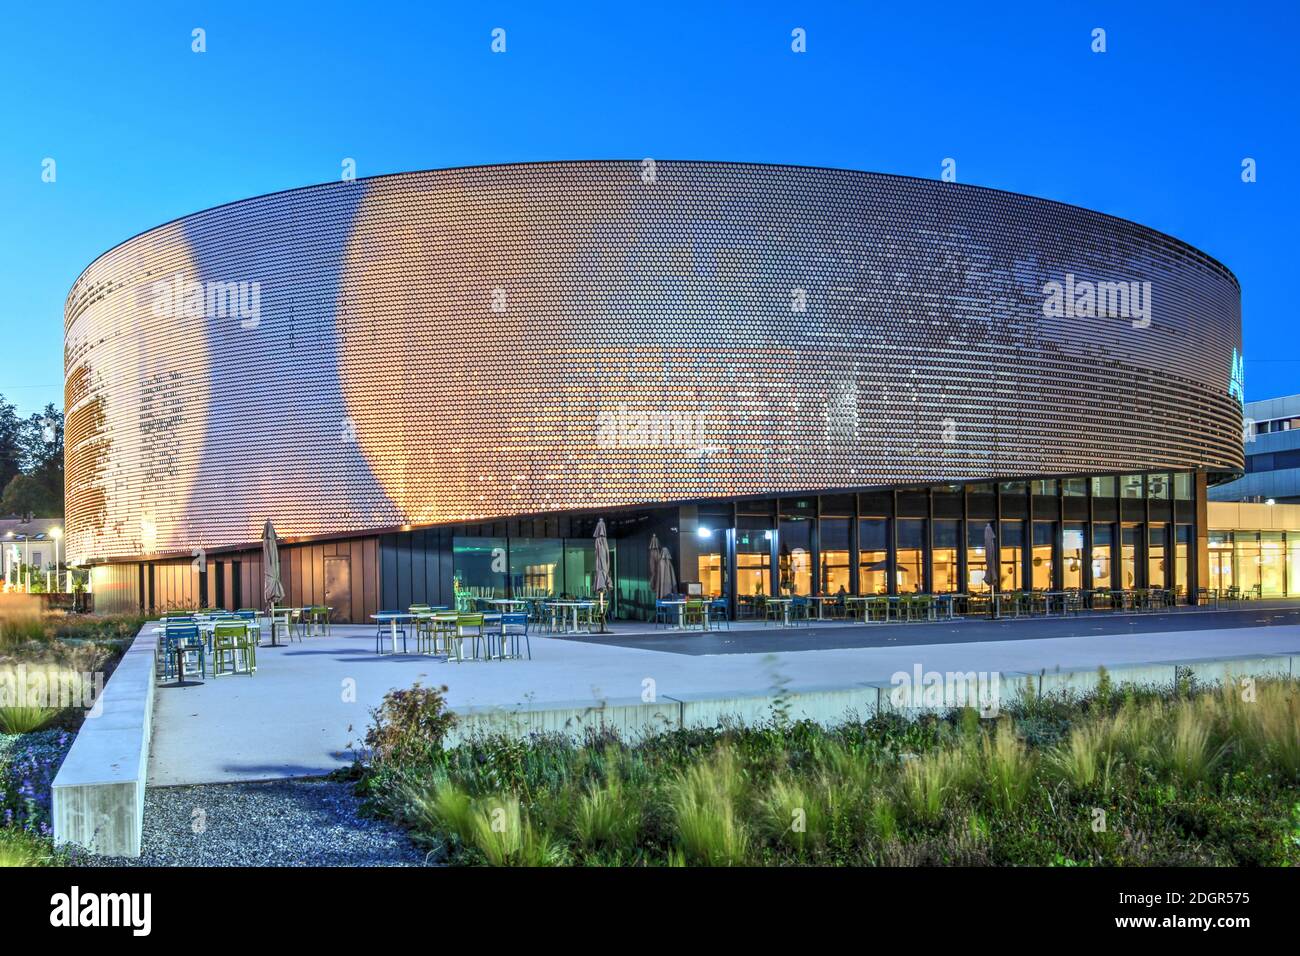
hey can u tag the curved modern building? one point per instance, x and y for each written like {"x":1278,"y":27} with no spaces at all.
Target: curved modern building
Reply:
{"x":795,"y":378}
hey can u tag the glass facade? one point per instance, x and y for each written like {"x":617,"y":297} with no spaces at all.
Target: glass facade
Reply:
{"x":949,"y":539}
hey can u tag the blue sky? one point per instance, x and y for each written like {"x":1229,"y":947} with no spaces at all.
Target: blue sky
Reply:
{"x":144,"y":130}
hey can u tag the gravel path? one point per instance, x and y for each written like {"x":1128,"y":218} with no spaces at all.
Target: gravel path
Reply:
{"x":280,"y":823}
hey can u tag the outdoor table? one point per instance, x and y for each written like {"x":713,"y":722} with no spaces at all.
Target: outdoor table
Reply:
{"x":679,"y":606}
{"x":509,"y":604}
{"x":181,"y":648}
{"x":949,"y":599}
{"x":821,"y":600}
{"x":997,"y":597}
{"x":575,"y":605}
{"x":785,"y":608}
{"x":857,"y":599}
{"x":392,"y":619}
{"x":1058,"y":596}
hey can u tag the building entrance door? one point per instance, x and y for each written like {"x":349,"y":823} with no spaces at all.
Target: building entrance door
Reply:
{"x":338,"y":588}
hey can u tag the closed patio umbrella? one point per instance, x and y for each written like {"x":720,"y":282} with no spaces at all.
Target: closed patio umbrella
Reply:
{"x":272,"y":589}
{"x":990,"y":557}
{"x":665,"y":579}
{"x":603,"y":581}
{"x":654,"y":564}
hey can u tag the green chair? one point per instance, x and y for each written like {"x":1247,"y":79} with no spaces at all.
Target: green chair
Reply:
{"x":696,"y":614}
{"x":464,"y":621}
{"x":226,"y":646}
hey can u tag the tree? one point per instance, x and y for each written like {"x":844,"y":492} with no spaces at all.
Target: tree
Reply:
{"x":40,"y":440}
{"x":25,"y":495}
{"x":11,"y":449}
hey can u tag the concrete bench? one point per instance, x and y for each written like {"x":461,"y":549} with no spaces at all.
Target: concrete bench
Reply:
{"x":99,"y":790}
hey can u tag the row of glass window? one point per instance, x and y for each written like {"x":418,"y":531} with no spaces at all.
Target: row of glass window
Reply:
{"x":1122,"y":555}
{"x":1266,"y":563}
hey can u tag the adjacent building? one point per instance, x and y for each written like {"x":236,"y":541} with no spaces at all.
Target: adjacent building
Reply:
{"x":796,"y":379}
{"x":1272,"y":438}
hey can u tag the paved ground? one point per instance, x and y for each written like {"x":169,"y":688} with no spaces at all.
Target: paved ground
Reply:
{"x":753,"y":638}
{"x":310,"y":702}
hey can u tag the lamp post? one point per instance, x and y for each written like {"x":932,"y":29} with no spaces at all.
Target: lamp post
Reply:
{"x":26,"y":571}
{"x":57,"y":534}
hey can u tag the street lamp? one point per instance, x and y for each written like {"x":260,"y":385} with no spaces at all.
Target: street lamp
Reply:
{"x":57,"y":534}
{"x":27,"y":587}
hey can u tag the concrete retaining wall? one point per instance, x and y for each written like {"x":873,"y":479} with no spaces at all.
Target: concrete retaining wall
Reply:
{"x":99,"y":789}
{"x":634,"y":719}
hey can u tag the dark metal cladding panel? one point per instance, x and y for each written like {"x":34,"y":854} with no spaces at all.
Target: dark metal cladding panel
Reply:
{"x":467,"y":344}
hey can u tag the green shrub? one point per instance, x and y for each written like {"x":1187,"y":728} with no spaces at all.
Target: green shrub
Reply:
{"x":25,"y":719}
{"x":1206,"y":779}
{"x":409,"y":727}
{"x":709,"y":829}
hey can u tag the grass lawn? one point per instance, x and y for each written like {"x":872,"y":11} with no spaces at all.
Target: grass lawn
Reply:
{"x":1127,"y":776}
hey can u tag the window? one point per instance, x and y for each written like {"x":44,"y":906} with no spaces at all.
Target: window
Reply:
{"x":1158,"y":487}
{"x":1183,"y":486}
{"x":1103,"y":537}
{"x":947,"y":538}
{"x":753,"y":557}
{"x":478,"y":568}
{"x":911,"y":555}
{"x":535,"y":566}
{"x":1045,"y":487}
{"x":1130,"y":486}
{"x":1041,"y":558}
{"x":1182,"y":550}
{"x":1272,"y":564}
{"x":1156,"y":544}
{"x":979,"y":540}
{"x":1074,"y":487}
{"x":1246,"y":565}
{"x":795,"y":542}
{"x":1103,"y":486}
{"x":1072,"y":556}
{"x":1129,"y":537}
{"x":1221,"y":552}
{"x":873,"y":556}
{"x":834,"y":555}
{"x":1011,"y":548}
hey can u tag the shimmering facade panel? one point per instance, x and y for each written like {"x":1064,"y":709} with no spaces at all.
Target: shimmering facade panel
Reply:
{"x":472,"y":343}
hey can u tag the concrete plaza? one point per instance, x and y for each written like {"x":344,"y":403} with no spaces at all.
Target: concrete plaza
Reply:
{"x":309,"y":702}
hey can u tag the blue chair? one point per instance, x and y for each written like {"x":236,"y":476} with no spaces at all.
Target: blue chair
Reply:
{"x":799,"y":609}
{"x":718,"y":612}
{"x":664,"y":613}
{"x":182,"y":640}
{"x":513,"y":626}
{"x":383,"y":631}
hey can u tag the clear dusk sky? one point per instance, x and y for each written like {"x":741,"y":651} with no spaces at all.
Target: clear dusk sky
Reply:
{"x":142,"y":129}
